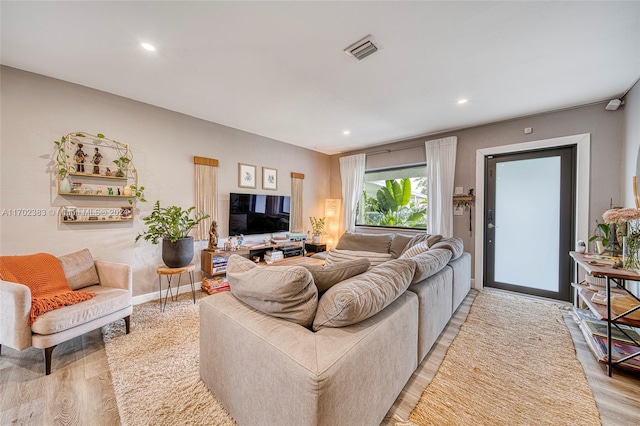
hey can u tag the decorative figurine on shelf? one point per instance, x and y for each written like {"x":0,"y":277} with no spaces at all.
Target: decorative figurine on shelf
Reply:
{"x":108,"y":172}
{"x":88,"y":191}
{"x":228,"y":245}
{"x":110,"y":191}
{"x":99,"y":191}
{"x":213,"y":235}
{"x":119,"y":191}
{"x":239,"y":241}
{"x":97,"y":157}
{"x":79,"y":156}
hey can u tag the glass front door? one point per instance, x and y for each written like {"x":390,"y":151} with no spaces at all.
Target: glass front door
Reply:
{"x":529,"y":221}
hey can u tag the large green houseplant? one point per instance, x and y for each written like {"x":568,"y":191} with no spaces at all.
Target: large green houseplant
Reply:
{"x":172,"y":225}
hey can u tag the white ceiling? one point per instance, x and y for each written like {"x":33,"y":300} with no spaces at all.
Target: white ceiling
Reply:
{"x":278,"y":69}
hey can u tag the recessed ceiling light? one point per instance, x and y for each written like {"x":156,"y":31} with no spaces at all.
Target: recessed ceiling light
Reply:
{"x":462,"y":101}
{"x":346,"y":132}
{"x":148,"y":47}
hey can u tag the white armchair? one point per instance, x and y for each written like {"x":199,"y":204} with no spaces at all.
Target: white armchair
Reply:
{"x":112,"y":283}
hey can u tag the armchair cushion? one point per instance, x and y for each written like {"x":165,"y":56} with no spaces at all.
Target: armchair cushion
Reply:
{"x":79,"y":268}
{"x":106,"y":301}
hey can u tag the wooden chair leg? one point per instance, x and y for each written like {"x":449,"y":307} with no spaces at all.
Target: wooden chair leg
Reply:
{"x":47,"y":359}
{"x":127,"y":323}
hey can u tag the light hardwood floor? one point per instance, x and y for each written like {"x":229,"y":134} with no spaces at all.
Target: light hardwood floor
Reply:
{"x":79,"y":392}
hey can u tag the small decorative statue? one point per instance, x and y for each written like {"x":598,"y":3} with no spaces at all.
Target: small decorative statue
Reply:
{"x":213,"y":235}
{"x":228,"y":245}
{"x":108,"y":173}
{"x":99,"y":191}
{"x":79,"y":156}
{"x":110,"y":191}
{"x":97,"y":157}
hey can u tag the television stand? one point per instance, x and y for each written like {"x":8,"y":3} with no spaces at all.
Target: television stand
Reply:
{"x":288,"y":247}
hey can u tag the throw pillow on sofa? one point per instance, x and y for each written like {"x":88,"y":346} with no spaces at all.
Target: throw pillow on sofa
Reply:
{"x":286,"y":292}
{"x":420,"y":238}
{"x":364,"y":295}
{"x":379,"y":243}
{"x":415,"y":250}
{"x":375,"y":258}
{"x":325,"y":276}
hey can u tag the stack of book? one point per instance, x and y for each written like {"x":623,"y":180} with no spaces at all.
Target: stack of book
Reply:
{"x":273,"y":256}
{"x":218,"y":263}
{"x":595,"y":333}
{"x":211,"y":285}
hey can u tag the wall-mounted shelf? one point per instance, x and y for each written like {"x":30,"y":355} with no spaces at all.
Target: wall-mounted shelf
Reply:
{"x":82,"y":214}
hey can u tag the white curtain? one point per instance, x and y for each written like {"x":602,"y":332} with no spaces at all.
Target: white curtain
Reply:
{"x":296,"y":202}
{"x":441,"y":168}
{"x":352,"y":175}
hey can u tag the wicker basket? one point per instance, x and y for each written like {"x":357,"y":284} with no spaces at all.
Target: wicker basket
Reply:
{"x":596,"y":282}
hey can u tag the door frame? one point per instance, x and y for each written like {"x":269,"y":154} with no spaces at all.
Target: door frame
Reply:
{"x":583,"y":171}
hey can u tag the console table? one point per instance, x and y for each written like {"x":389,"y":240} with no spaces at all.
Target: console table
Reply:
{"x":618,"y":277}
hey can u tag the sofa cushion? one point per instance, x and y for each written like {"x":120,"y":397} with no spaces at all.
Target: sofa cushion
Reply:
{"x":420,"y":238}
{"x":325,"y":276}
{"x":286,"y":292}
{"x":455,"y":244}
{"x":430,"y":262}
{"x":379,"y":243}
{"x":107,"y":300}
{"x":398,"y":244}
{"x":79,"y":268}
{"x":415,"y":250}
{"x":364,"y":295}
{"x":375,"y":258}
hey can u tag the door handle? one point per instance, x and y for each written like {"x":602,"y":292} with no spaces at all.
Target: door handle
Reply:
{"x":491,"y":226}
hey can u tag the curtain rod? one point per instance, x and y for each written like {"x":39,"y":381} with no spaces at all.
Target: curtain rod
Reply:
{"x":387,"y":151}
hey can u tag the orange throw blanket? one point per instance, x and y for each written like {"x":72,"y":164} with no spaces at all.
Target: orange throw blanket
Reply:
{"x":43,"y":274}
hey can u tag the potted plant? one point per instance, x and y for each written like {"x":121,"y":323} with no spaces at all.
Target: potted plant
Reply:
{"x":172,"y":224}
{"x":601,"y":236}
{"x":317,"y":228}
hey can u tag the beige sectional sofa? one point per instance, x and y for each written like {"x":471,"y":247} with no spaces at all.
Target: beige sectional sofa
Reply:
{"x":268,"y":369}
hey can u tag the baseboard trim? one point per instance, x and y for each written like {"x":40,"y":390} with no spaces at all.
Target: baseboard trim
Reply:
{"x":148,"y":297}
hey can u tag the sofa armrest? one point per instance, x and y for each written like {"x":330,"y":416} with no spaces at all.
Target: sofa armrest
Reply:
{"x":112,"y":274}
{"x":15,"y":309}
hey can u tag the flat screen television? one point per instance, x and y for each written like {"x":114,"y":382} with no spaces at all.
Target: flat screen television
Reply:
{"x":258,"y":213}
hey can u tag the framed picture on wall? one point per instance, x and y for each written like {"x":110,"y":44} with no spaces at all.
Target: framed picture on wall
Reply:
{"x":246,"y":175}
{"x":269,"y":178}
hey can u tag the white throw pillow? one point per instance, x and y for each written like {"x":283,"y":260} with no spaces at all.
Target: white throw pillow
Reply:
{"x":415,"y":250}
{"x":336,"y":255}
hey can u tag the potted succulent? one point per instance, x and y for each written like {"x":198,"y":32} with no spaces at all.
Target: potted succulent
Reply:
{"x":318,"y":225}
{"x":172,"y":225}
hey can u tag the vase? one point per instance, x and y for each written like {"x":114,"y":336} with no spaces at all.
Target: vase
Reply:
{"x":599,"y":247}
{"x":65,"y":186}
{"x":316,"y":239}
{"x":630,"y":252}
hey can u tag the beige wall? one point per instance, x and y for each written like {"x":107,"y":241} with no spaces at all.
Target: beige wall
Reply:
{"x":604,"y":126}
{"x":631,"y":145}
{"x":36,"y":110}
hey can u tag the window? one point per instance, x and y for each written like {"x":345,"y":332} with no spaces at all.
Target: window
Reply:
{"x":394,"y":198}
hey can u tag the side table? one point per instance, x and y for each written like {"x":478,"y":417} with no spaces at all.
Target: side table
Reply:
{"x":169,"y":273}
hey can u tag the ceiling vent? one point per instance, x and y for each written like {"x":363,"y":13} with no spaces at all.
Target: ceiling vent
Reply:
{"x":362,"y":48}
